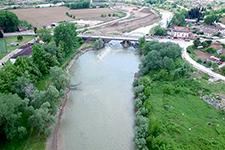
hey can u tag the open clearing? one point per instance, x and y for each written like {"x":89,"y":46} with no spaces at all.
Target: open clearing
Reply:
{"x":39,"y":17}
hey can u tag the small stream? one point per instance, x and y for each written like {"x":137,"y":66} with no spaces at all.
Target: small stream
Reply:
{"x":99,"y":115}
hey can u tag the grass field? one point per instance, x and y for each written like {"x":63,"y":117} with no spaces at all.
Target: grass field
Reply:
{"x":184,"y":121}
{"x":39,"y":17}
{"x":6,"y":41}
{"x":31,"y":143}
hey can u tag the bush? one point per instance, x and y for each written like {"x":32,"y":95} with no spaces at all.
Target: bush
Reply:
{"x":222,"y":57}
{"x":159,"y":31}
{"x":19,"y":37}
{"x":98,"y":44}
{"x":1,"y":35}
{"x":211,"y":50}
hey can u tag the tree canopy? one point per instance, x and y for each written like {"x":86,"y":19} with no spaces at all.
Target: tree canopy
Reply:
{"x":8,"y":21}
{"x":65,"y":36}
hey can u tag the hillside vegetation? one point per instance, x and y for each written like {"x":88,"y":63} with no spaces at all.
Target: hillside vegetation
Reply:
{"x":169,"y":112}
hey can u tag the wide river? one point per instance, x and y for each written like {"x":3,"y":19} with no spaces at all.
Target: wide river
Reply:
{"x":99,"y":114}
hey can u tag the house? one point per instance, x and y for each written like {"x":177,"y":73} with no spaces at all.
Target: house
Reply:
{"x":180,"y":32}
{"x":210,"y":30}
{"x":215,"y":60}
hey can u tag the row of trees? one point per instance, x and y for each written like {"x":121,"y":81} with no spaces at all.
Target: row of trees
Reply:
{"x":159,"y":62}
{"x":79,"y":5}
{"x":25,"y":106}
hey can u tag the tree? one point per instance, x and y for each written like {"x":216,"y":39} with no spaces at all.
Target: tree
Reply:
{"x":158,"y":30}
{"x":1,"y":35}
{"x":141,"y":44}
{"x":11,"y":112}
{"x":194,"y":13}
{"x":19,"y":37}
{"x":152,"y":61}
{"x":43,"y":59}
{"x":197,"y":42}
{"x":59,"y":77}
{"x":178,"y":19}
{"x":98,"y":44}
{"x":210,"y":19}
{"x":65,"y":35}
{"x":168,"y":63}
{"x":79,"y":5}
{"x":45,"y":35}
{"x":8,"y":21}
{"x":23,"y":87}
{"x":41,"y":118}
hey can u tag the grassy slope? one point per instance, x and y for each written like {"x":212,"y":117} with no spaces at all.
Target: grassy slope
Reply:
{"x":185,"y":121}
{"x":10,"y":40}
{"x":30,"y":143}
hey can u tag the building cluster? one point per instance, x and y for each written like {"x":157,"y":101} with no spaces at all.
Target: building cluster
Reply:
{"x":197,"y":29}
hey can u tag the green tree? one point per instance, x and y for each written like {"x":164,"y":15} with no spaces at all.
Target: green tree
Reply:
{"x":59,"y":77}
{"x":98,"y":44}
{"x":41,"y":119}
{"x":65,"y":35}
{"x":197,"y":42}
{"x":19,"y":37}
{"x":11,"y":112}
{"x":159,"y":31}
{"x":1,"y":35}
{"x":45,"y":35}
{"x":43,"y":59}
{"x":141,"y":44}
{"x":178,"y":19}
{"x":8,"y":21}
{"x":210,"y":19}
{"x":168,"y":63}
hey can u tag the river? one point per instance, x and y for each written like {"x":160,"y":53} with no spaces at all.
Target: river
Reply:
{"x":99,"y":115}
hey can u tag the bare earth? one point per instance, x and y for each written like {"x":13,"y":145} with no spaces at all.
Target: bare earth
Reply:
{"x":39,"y":17}
{"x":140,"y":18}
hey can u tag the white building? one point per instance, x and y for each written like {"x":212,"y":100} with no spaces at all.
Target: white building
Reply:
{"x":180,"y":32}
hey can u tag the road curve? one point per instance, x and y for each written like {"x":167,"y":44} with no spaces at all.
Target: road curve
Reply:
{"x":200,"y":67}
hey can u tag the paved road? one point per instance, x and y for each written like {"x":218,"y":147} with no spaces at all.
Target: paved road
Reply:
{"x":196,"y":65}
{"x":23,"y":33}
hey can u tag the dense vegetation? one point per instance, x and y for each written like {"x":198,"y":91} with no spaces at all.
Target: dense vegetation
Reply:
{"x":169,"y":112}
{"x":195,"y":13}
{"x":79,"y":5}
{"x":158,"y":30}
{"x":8,"y":21}
{"x":26,"y":108}
{"x":178,"y":19}
{"x":155,"y":1}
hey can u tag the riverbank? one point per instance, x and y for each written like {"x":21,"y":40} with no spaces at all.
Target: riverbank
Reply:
{"x":52,"y":141}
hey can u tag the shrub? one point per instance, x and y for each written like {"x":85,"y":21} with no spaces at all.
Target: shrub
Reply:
{"x":98,"y":44}
{"x":1,"y":35}
{"x":19,"y":37}
{"x":211,"y":50}
{"x":138,"y":89}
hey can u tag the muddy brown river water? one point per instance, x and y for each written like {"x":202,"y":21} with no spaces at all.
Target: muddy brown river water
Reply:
{"x":99,"y":115}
